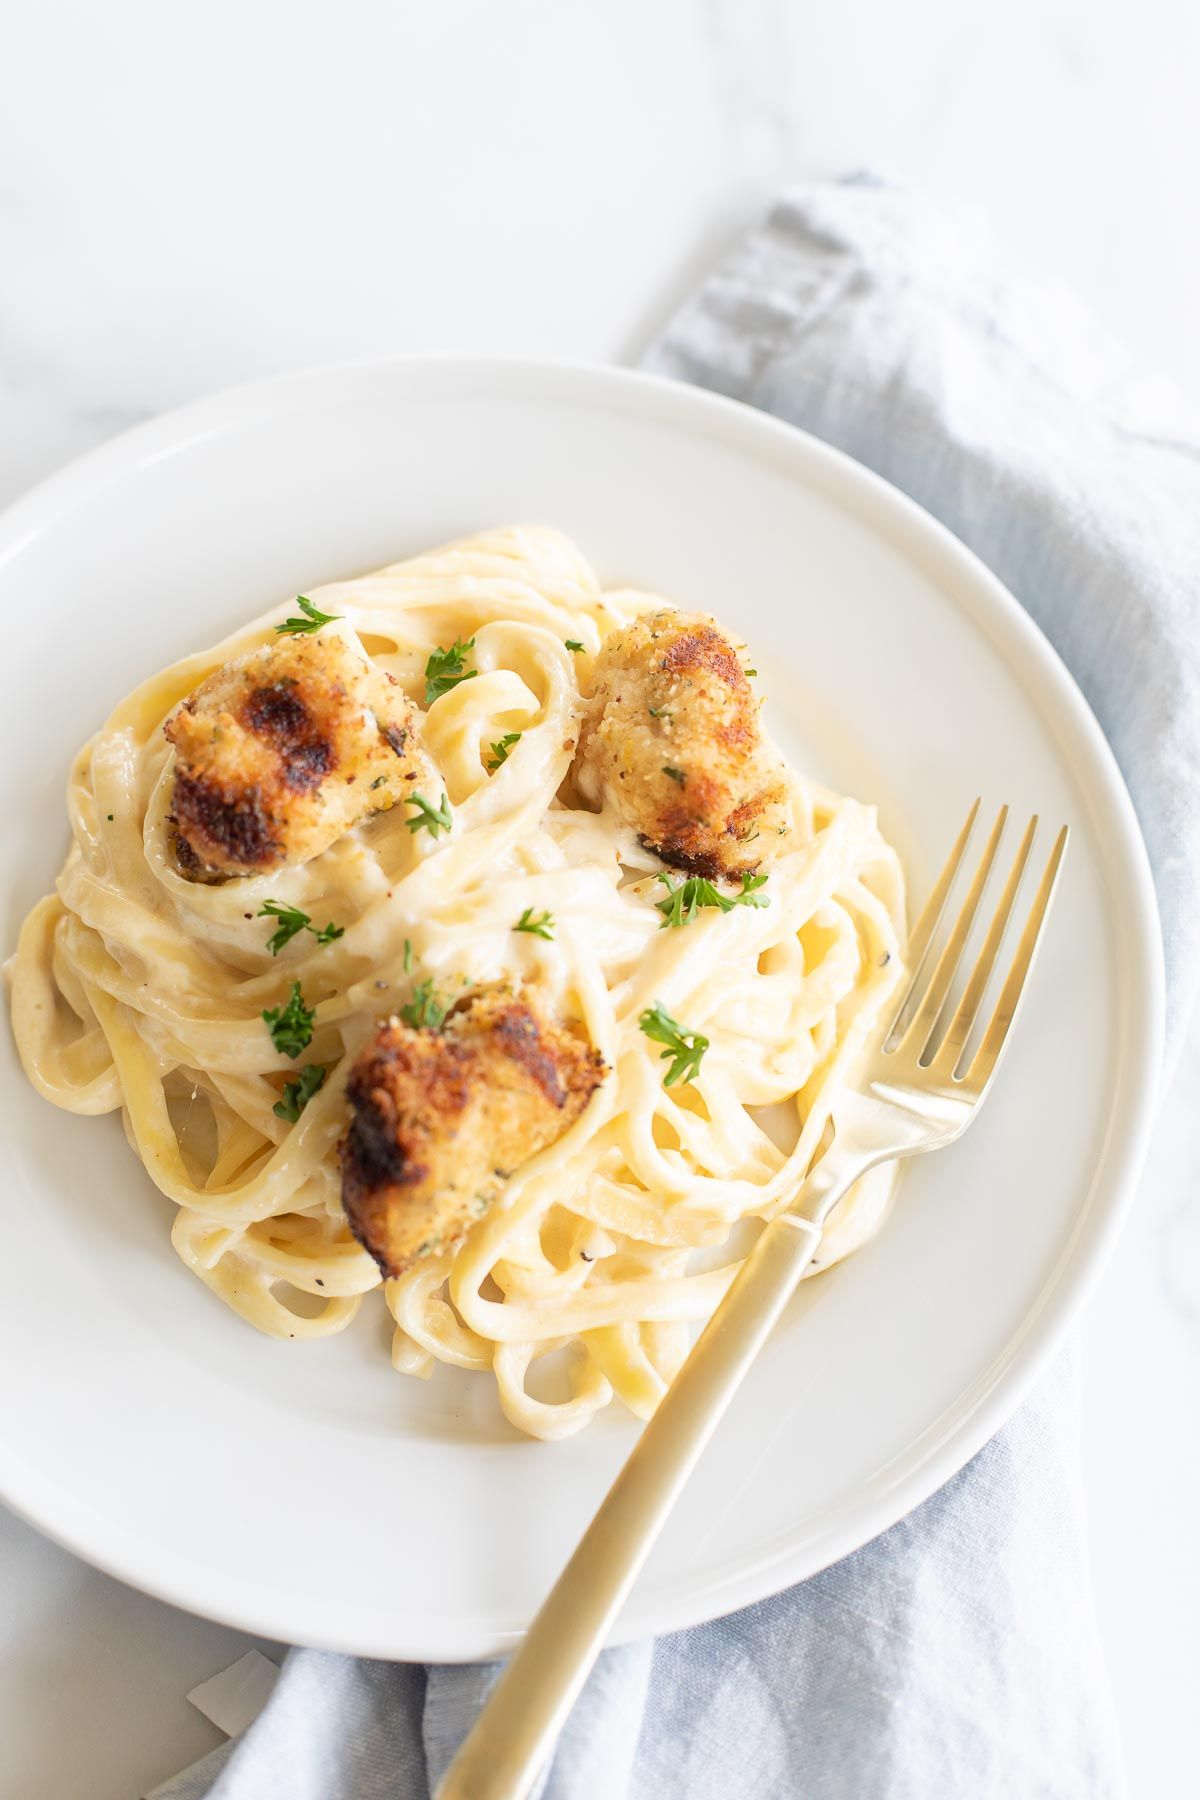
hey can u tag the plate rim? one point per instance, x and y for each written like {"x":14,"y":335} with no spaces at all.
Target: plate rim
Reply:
{"x":1131,"y":901}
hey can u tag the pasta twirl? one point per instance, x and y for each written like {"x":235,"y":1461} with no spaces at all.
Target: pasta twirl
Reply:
{"x":136,"y":989}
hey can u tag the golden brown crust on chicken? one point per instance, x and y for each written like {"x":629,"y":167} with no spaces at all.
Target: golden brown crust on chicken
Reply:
{"x":671,"y":740}
{"x":440,"y":1119}
{"x":281,"y":751}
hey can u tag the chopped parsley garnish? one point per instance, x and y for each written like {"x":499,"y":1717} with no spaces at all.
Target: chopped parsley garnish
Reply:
{"x":573,"y":643}
{"x":500,"y":750}
{"x":658,"y":712}
{"x":750,"y":886}
{"x":684,"y":901}
{"x":428,"y":818}
{"x":408,"y":956}
{"x":538,"y":924}
{"x":684,"y":1049}
{"x":313,"y":619}
{"x":292,"y":921}
{"x":675,"y":774}
{"x":426,"y":1009}
{"x":379,"y":781}
{"x":298,"y":1093}
{"x":749,"y":671}
{"x":444,"y":670}
{"x":291,"y":1025}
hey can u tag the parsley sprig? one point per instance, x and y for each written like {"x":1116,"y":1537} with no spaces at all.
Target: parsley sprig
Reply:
{"x":291,"y":922}
{"x":537,"y":924}
{"x":444,"y":670}
{"x":429,"y":817}
{"x":684,"y":901}
{"x":291,"y":1024}
{"x":313,"y":619}
{"x":426,"y":1009}
{"x":500,"y":750}
{"x":298,"y":1093}
{"x":684,"y":1049}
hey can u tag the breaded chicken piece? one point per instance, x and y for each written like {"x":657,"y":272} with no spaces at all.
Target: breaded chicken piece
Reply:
{"x":281,"y":751}
{"x":671,"y":740}
{"x":440,"y":1119}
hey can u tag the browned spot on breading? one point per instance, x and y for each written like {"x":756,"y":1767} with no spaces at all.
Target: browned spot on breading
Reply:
{"x":189,"y":863}
{"x":233,"y":819}
{"x":396,"y":739}
{"x":278,"y":712}
{"x":382,"y":1147}
{"x":435,"y":1115}
{"x":517,"y":1030}
{"x":741,"y":820}
{"x":307,"y":766}
{"x":703,"y":648}
{"x":707,"y":649}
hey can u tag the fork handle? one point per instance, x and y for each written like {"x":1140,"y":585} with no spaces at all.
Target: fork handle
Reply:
{"x":515,"y":1732}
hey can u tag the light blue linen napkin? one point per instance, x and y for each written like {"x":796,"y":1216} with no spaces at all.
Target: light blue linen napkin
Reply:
{"x":955,"y":1658}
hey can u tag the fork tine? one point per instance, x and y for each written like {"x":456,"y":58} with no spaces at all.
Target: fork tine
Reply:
{"x":984,"y":1062}
{"x":921,"y":935}
{"x":920,"y":1031}
{"x":959,"y":1028}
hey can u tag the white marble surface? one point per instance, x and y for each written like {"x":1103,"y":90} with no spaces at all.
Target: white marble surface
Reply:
{"x":193,"y":194}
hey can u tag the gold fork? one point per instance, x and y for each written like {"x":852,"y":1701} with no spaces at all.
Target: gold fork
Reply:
{"x":915,"y":1089}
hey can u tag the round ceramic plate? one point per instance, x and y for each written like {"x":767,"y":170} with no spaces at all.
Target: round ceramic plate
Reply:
{"x":304,"y":1490}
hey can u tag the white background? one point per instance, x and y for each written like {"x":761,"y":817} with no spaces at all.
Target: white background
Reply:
{"x":191,"y":194}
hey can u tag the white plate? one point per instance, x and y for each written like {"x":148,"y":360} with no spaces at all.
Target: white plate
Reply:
{"x":305,"y":1491}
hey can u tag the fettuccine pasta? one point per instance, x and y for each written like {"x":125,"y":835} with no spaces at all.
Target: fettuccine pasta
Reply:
{"x":140,"y":990}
